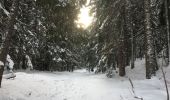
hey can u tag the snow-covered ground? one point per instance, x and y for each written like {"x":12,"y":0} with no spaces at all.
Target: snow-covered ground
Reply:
{"x":81,"y":85}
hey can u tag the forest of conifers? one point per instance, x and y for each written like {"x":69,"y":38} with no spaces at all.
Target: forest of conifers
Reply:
{"x":121,"y":32}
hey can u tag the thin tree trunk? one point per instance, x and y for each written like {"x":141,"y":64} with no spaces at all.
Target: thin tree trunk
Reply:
{"x":121,"y":59}
{"x":132,"y":52}
{"x":167,"y":27}
{"x":121,"y":49}
{"x":149,"y":49}
{"x":10,"y":33}
{"x":130,"y":30}
{"x":165,"y":81}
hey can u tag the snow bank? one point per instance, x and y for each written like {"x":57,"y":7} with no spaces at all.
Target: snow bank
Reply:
{"x":139,"y":72}
{"x":9,"y":76}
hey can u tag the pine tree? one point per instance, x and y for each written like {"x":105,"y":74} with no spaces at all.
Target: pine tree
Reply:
{"x":10,"y":33}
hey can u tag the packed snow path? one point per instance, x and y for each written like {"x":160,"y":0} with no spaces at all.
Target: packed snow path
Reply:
{"x":78,"y":86}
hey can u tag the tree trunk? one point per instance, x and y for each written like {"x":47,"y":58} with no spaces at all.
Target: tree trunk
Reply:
{"x":149,"y":42}
{"x":132,"y":51}
{"x":10,"y":33}
{"x":130,"y":29}
{"x":121,"y":58}
{"x":167,"y":27}
{"x":121,"y":49}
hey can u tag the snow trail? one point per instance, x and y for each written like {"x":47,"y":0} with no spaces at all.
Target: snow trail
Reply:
{"x":79,"y":85}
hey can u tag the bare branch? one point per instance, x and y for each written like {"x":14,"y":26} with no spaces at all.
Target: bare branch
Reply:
{"x":133,"y":90}
{"x":165,"y":83}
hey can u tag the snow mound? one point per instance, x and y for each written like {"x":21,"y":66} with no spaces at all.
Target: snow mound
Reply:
{"x":9,"y":62}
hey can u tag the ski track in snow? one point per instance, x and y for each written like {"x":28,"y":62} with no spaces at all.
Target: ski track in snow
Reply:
{"x":78,"y":86}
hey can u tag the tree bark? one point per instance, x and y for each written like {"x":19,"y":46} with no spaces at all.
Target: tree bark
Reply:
{"x":121,"y":47}
{"x":167,"y":27}
{"x":130,"y":30}
{"x":149,"y":45}
{"x":121,"y":59}
{"x":10,"y":33}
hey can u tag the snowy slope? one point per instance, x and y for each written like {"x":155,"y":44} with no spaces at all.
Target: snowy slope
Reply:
{"x":80,"y":85}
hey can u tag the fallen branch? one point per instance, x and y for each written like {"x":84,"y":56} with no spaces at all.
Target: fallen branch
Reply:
{"x":133,"y":90}
{"x":164,"y":77}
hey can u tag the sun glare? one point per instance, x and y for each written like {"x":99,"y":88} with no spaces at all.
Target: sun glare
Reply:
{"x":84,"y":17}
